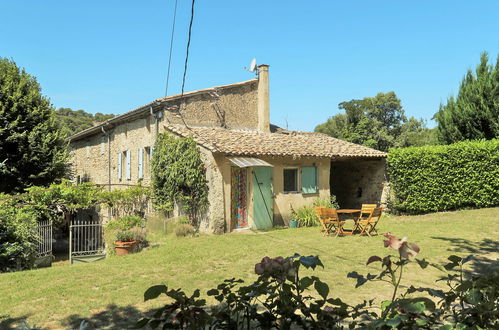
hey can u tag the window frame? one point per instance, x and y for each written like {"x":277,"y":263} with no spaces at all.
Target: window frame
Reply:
{"x":298,"y":180}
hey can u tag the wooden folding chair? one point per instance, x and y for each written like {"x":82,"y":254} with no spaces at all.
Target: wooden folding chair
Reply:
{"x":318,"y":210}
{"x":330,"y":221}
{"x":366,"y":210}
{"x":368,"y":226}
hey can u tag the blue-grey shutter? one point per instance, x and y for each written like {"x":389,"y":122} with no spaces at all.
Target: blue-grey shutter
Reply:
{"x":128,"y":168}
{"x":309,"y":180}
{"x":141,"y":163}
{"x":120,"y":155}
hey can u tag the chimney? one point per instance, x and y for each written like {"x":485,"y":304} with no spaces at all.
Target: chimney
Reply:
{"x":263,"y":99}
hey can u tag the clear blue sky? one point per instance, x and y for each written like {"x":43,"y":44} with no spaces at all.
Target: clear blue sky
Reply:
{"x":111,"y":56}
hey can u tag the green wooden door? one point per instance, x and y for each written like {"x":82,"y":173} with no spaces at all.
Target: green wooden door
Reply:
{"x":263,"y":203}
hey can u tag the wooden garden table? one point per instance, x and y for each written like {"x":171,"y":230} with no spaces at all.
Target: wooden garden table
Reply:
{"x":350,"y":213}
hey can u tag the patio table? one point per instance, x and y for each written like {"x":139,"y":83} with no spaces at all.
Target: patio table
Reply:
{"x":349,"y":214}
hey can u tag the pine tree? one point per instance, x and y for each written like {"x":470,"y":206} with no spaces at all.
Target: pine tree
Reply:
{"x":474,"y":113}
{"x":32,"y":150}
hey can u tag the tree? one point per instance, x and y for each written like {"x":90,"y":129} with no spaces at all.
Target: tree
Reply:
{"x":74,"y":121}
{"x":378,"y":122}
{"x":474,"y":113}
{"x":32,"y":150}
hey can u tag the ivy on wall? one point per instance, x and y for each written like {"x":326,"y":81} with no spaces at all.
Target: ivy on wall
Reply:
{"x":179,"y":176}
{"x":446,"y":177}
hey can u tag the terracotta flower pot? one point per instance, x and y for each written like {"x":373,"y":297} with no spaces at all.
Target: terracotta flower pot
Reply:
{"x":123,"y":248}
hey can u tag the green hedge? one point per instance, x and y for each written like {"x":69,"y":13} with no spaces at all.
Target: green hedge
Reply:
{"x":439,"y":178}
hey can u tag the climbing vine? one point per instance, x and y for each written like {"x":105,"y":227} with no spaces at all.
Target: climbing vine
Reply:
{"x":179,"y":176}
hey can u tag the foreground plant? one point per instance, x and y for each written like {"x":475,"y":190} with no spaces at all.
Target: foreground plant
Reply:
{"x":281,"y":299}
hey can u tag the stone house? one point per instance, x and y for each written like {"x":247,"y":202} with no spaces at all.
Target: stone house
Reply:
{"x":257,"y":173}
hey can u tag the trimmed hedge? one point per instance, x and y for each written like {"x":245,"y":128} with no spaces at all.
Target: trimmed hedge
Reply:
{"x":446,"y":177}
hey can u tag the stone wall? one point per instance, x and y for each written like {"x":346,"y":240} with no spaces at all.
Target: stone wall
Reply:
{"x":230,"y":106}
{"x":359,"y":181}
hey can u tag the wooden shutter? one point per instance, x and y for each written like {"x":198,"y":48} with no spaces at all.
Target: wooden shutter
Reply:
{"x":309,"y":180}
{"x":120,"y":155}
{"x":128,"y":168}
{"x":141,"y":163}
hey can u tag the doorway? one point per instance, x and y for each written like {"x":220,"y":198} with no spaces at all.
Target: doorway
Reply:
{"x":239,"y":200}
{"x":263,"y":202}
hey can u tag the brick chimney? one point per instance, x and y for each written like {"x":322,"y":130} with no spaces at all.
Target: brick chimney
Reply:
{"x":263,"y":99}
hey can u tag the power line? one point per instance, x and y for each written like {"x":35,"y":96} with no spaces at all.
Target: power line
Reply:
{"x":188,"y":45}
{"x":171,"y":48}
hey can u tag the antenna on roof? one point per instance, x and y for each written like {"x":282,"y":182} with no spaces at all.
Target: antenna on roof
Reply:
{"x":252,"y":67}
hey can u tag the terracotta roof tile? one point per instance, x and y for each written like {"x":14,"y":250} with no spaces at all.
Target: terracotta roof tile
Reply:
{"x":281,"y":143}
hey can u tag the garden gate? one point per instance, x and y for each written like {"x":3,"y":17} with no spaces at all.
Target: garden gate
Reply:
{"x":44,"y":252}
{"x":86,"y":241}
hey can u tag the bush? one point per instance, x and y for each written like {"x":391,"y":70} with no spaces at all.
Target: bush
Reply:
{"x":329,"y":202}
{"x":18,"y":238}
{"x":440,"y":178}
{"x":125,"y":223}
{"x":138,"y":233}
{"x":306,"y":216}
{"x":184,"y":230}
{"x":124,"y":236}
{"x":282,"y":298}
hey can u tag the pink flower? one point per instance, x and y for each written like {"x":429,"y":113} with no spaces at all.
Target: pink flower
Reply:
{"x":406,"y":250}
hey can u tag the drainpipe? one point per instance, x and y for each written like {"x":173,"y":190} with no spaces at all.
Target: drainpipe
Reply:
{"x":109,"y":214}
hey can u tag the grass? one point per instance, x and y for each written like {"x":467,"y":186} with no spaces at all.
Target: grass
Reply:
{"x":110,"y":292}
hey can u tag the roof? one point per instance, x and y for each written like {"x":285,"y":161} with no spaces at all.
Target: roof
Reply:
{"x":280,"y":143}
{"x":146,"y":108}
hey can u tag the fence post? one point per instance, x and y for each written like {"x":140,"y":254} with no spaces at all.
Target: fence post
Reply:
{"x":70,"y":241}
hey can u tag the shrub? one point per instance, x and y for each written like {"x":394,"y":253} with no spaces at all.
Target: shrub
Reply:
{"x":124,"y":236}
{"x":281,"y":298}
{"x":138,"y":233}
{"x":184,"y":230}
{"x":439,"y":178}
{"x":329,"y":202}
{"x":125,"y":223}
{"x":306,"y":216}
{"x":18,"y":237}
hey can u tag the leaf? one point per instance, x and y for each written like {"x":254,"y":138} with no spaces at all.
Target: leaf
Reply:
{"x":373,"y":259}
{"x":422,"y":263}
{"x":393,"y":322}
{"x":385,"y":304}
{"x":322,"y":288}
{"x":154,"y":291}
{"x":212,"y":292}
{"x":305,"y":282}
{"x":467,"y":258}
{"x":141,"y":323}
{"x":455,"y":259}
{"x":311,"y":262}
{"x":361,"y":280}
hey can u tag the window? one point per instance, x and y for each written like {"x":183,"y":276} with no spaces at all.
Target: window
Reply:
{"x":128,"y":165}
{"x":119,"y":166}
{"x":309,"y":179}
{"x":141,"y":163}
{"x":290,"y":180}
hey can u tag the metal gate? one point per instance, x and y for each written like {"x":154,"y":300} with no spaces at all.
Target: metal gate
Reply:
{"x":44,"y":252}
{"x":86,"y":241}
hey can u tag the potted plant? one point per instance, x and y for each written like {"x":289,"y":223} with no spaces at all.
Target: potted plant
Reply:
{"x":125,"y":243}
{"x":293,"y":222}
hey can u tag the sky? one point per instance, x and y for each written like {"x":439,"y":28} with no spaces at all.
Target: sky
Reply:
{"x":111,"y":56}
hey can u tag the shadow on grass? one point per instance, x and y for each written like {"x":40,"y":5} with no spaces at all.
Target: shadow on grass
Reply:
{"x":113,"y":317}
{"x":7,"y":322}
{"x":483,"y":252}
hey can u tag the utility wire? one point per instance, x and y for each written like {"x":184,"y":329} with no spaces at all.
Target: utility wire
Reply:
{"x":185,"y":64}
{"x":171,"y":48}
{"x":188,"y":45}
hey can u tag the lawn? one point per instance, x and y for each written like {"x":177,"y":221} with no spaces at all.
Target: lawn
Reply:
{"x":110,"y":292}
